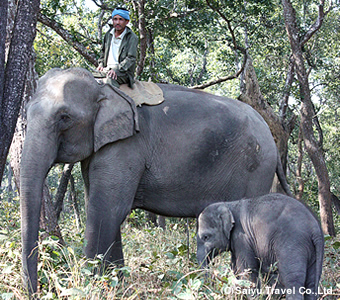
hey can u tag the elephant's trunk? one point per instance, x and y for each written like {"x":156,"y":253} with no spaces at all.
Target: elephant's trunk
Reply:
{"x":36,"y":161}
{"x":201,"y":254}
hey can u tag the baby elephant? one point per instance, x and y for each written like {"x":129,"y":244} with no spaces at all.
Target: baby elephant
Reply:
{"x":263,"y":231}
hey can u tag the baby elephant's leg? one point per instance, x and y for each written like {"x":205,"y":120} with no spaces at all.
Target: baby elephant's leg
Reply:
{"x":243,"y":261}
{"x":292,"y":274}
{"x":311,"y":291}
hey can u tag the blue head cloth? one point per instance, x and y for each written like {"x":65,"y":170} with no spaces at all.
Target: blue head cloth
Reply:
{"x":121,"y":12}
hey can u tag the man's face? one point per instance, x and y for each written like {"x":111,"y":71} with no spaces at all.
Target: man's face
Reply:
{"x":119,"y":23}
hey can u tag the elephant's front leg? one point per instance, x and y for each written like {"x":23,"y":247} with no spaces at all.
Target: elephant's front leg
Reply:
{"x":245,"y":259}
{"x":112,"y":188}
{"x":102,"y":235}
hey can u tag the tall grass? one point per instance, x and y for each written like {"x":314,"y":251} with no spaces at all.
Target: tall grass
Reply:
{"x":159,"y":265}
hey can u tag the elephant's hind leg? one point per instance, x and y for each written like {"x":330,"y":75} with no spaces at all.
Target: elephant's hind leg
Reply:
{"x":311,"y":291}
{"x":292,"y":275}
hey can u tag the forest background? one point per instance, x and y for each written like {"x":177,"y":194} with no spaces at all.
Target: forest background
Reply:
{"x":281,"y":57}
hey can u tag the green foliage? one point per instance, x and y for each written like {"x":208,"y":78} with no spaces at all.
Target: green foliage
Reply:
{"x":51,"y":50}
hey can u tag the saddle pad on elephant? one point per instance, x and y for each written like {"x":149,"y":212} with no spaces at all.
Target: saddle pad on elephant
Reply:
{"x":144,"y":92}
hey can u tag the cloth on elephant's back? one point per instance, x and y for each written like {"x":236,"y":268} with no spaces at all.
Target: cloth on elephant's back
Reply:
{"x":144,"y":92}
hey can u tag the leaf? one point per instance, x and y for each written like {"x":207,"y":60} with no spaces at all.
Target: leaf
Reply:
{"x":186,"y":295}
{"x":170,"y":255}
{"x":7,"y":296}
{"x":196,"y":284}
{"x":125,"y":270}
{"x":86,"y":272}
{"x":336,"y":245}
{"x":327,"y":237}
{"x":48,"y":296}
{"x":70,"y":250}
{"x":3,"y":237}
{"x":72,"y":292}
{"x":93,"y":262}
{"x":176,"y":288}
{"x":7,"y":270}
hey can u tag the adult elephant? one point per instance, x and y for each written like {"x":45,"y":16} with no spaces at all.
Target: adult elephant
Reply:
{"x":172,"y":159}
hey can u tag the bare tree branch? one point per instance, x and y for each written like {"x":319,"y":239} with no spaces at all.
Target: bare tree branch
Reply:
{"x":68,"y":37}
{"x":286,"y":92}
{"x":316,"y":26}
{"x":99,"y":25}
{"x":235,"y":47}
{"x":103,"y":6}
{"x":204,"y":63}
{"x":222,"y":79}
{"x":227,"y":21}
{"x":300,"y":180}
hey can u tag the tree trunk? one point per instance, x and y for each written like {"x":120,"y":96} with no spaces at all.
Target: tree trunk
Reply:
{"x":14,"y":68}
{"x":156,"y":220}
{"x":142,"y":37}
{"x":20,"y":130}
{"x":307,"y":114}
{"x":281,"y":132}
{"x":301,"y":182}
{"x":73,"y":200}
{"x":48,"y":217}
{"x":3,"y":36}
{"x":10,"y":191}
{"x":62,"y":188}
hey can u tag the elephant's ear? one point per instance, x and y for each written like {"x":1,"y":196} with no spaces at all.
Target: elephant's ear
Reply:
{"x":227,"y":221}
{"x":116,"y":119}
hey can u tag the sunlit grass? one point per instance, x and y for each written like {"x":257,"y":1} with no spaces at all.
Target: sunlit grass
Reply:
{"x":159,"y":265}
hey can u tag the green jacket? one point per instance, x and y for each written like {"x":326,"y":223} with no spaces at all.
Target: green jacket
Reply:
{"x":127,"y":55}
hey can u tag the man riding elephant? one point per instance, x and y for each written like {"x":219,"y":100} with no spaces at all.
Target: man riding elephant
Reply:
{"x":119,"y":51}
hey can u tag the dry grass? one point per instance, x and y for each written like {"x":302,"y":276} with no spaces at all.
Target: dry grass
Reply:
{"x":159,"y":265}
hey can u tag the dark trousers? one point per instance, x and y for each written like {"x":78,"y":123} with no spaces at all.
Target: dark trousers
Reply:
{"x":121,"y":79}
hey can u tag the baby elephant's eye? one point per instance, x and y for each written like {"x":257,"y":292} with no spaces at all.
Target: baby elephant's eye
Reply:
{"x":64,"y":117}
{"x":205,"y":237}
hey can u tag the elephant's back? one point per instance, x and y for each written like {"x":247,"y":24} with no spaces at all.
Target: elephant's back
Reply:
{"x":186,"y":100}
{"x":177,"y":93}
{"x":281,"y":209}
{"x":198,"y":112}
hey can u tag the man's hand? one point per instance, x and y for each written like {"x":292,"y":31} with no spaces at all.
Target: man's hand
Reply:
{"x":100,"y":68}
{"x":112,"y":74}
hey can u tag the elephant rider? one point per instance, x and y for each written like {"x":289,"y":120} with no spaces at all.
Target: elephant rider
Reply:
{"x":119,"y":51}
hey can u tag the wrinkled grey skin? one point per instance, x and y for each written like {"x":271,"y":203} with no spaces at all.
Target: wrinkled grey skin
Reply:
{"x":262,"y":231}
{"x":172,"y":159}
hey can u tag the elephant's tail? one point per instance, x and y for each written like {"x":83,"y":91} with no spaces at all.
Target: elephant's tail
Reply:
{"x":318,"y":241}
{"x":282,"y":177}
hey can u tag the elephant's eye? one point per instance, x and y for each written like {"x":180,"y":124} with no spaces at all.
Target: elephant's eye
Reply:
{"x":65,"y":121}
{"x":64,"y":117}
{"x":205,"y":237}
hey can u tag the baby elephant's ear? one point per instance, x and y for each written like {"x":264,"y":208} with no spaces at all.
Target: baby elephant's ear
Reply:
{"x":227,"y":220}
